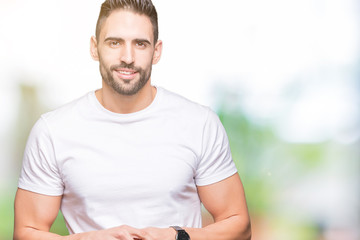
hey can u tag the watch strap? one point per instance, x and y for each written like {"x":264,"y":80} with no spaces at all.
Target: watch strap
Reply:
{"x":177,"y":228}
{"x":181,"y":233}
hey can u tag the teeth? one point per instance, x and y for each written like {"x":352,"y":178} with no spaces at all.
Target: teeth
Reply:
{"x":127,"y":73}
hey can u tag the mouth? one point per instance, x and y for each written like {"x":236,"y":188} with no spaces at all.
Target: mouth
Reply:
{"x":126,"y":74}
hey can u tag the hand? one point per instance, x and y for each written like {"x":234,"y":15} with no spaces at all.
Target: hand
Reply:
{"x":152,"y":233}
{"x":123,"y":232}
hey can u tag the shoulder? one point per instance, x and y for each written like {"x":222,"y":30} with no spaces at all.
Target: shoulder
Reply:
{"x":67,"y":112}
{"x":182,"y":105}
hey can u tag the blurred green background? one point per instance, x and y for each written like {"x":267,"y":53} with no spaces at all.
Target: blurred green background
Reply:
{"x":283,"y":76}
{"x":294,"y":190}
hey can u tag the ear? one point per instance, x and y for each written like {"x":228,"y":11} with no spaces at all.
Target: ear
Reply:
{"x":93,"y":49}
{"x":157,"y":52}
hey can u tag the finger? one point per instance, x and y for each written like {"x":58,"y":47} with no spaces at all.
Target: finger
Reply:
{"x":124,"y":235}
{"x":128,"y":233}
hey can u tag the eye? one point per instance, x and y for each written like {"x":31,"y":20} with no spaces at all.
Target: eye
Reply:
{"x":140,"y":44}
{"x":114,"y":43}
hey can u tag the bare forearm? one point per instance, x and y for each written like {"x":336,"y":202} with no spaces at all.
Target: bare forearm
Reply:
{"x":34,"y":234}
{"x":121,"y":232}
{"x":232,"y":228}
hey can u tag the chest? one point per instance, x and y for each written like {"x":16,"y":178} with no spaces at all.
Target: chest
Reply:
{"x":127,"y":162}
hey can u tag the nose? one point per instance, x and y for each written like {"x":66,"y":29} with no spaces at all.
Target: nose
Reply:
{"x":127,"y":54}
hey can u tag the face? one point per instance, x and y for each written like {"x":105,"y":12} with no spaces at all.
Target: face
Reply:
{"x":126,"y":51}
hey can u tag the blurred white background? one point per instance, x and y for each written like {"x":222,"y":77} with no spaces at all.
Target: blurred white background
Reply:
{"x":292,"y":63}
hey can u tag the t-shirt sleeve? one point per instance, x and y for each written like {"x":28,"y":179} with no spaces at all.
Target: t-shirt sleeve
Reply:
{"x":39,"y":171}
{"x":216,"y":161}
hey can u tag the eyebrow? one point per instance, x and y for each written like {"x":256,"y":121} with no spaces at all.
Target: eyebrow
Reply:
{"x":122,"y":40}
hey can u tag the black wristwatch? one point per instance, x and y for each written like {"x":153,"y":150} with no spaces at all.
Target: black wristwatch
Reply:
{"x":181,"y":233}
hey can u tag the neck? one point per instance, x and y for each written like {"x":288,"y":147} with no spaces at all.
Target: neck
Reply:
{"x":118,"y":103}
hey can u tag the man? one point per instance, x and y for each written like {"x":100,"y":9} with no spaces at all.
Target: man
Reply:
{"x":129,"y":160}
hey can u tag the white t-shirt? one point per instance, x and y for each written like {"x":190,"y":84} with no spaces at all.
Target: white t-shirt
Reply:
{"x":139,"y":169}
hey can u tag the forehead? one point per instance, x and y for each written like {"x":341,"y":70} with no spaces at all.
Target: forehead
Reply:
{"x":127,"y":25}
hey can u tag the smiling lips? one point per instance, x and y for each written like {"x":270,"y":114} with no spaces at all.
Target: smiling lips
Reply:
{"x":127,"y":74}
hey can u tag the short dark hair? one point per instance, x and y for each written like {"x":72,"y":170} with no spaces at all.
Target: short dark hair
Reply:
{"x":144,"y":7}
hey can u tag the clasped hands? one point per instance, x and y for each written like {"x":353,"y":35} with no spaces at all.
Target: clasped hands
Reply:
{"x":125,"y":232}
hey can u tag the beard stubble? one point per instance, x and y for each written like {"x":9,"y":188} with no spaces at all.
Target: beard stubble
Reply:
{"x":124,"y":86}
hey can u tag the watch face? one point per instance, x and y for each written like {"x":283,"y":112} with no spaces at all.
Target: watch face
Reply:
{"x":182,"y":235}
